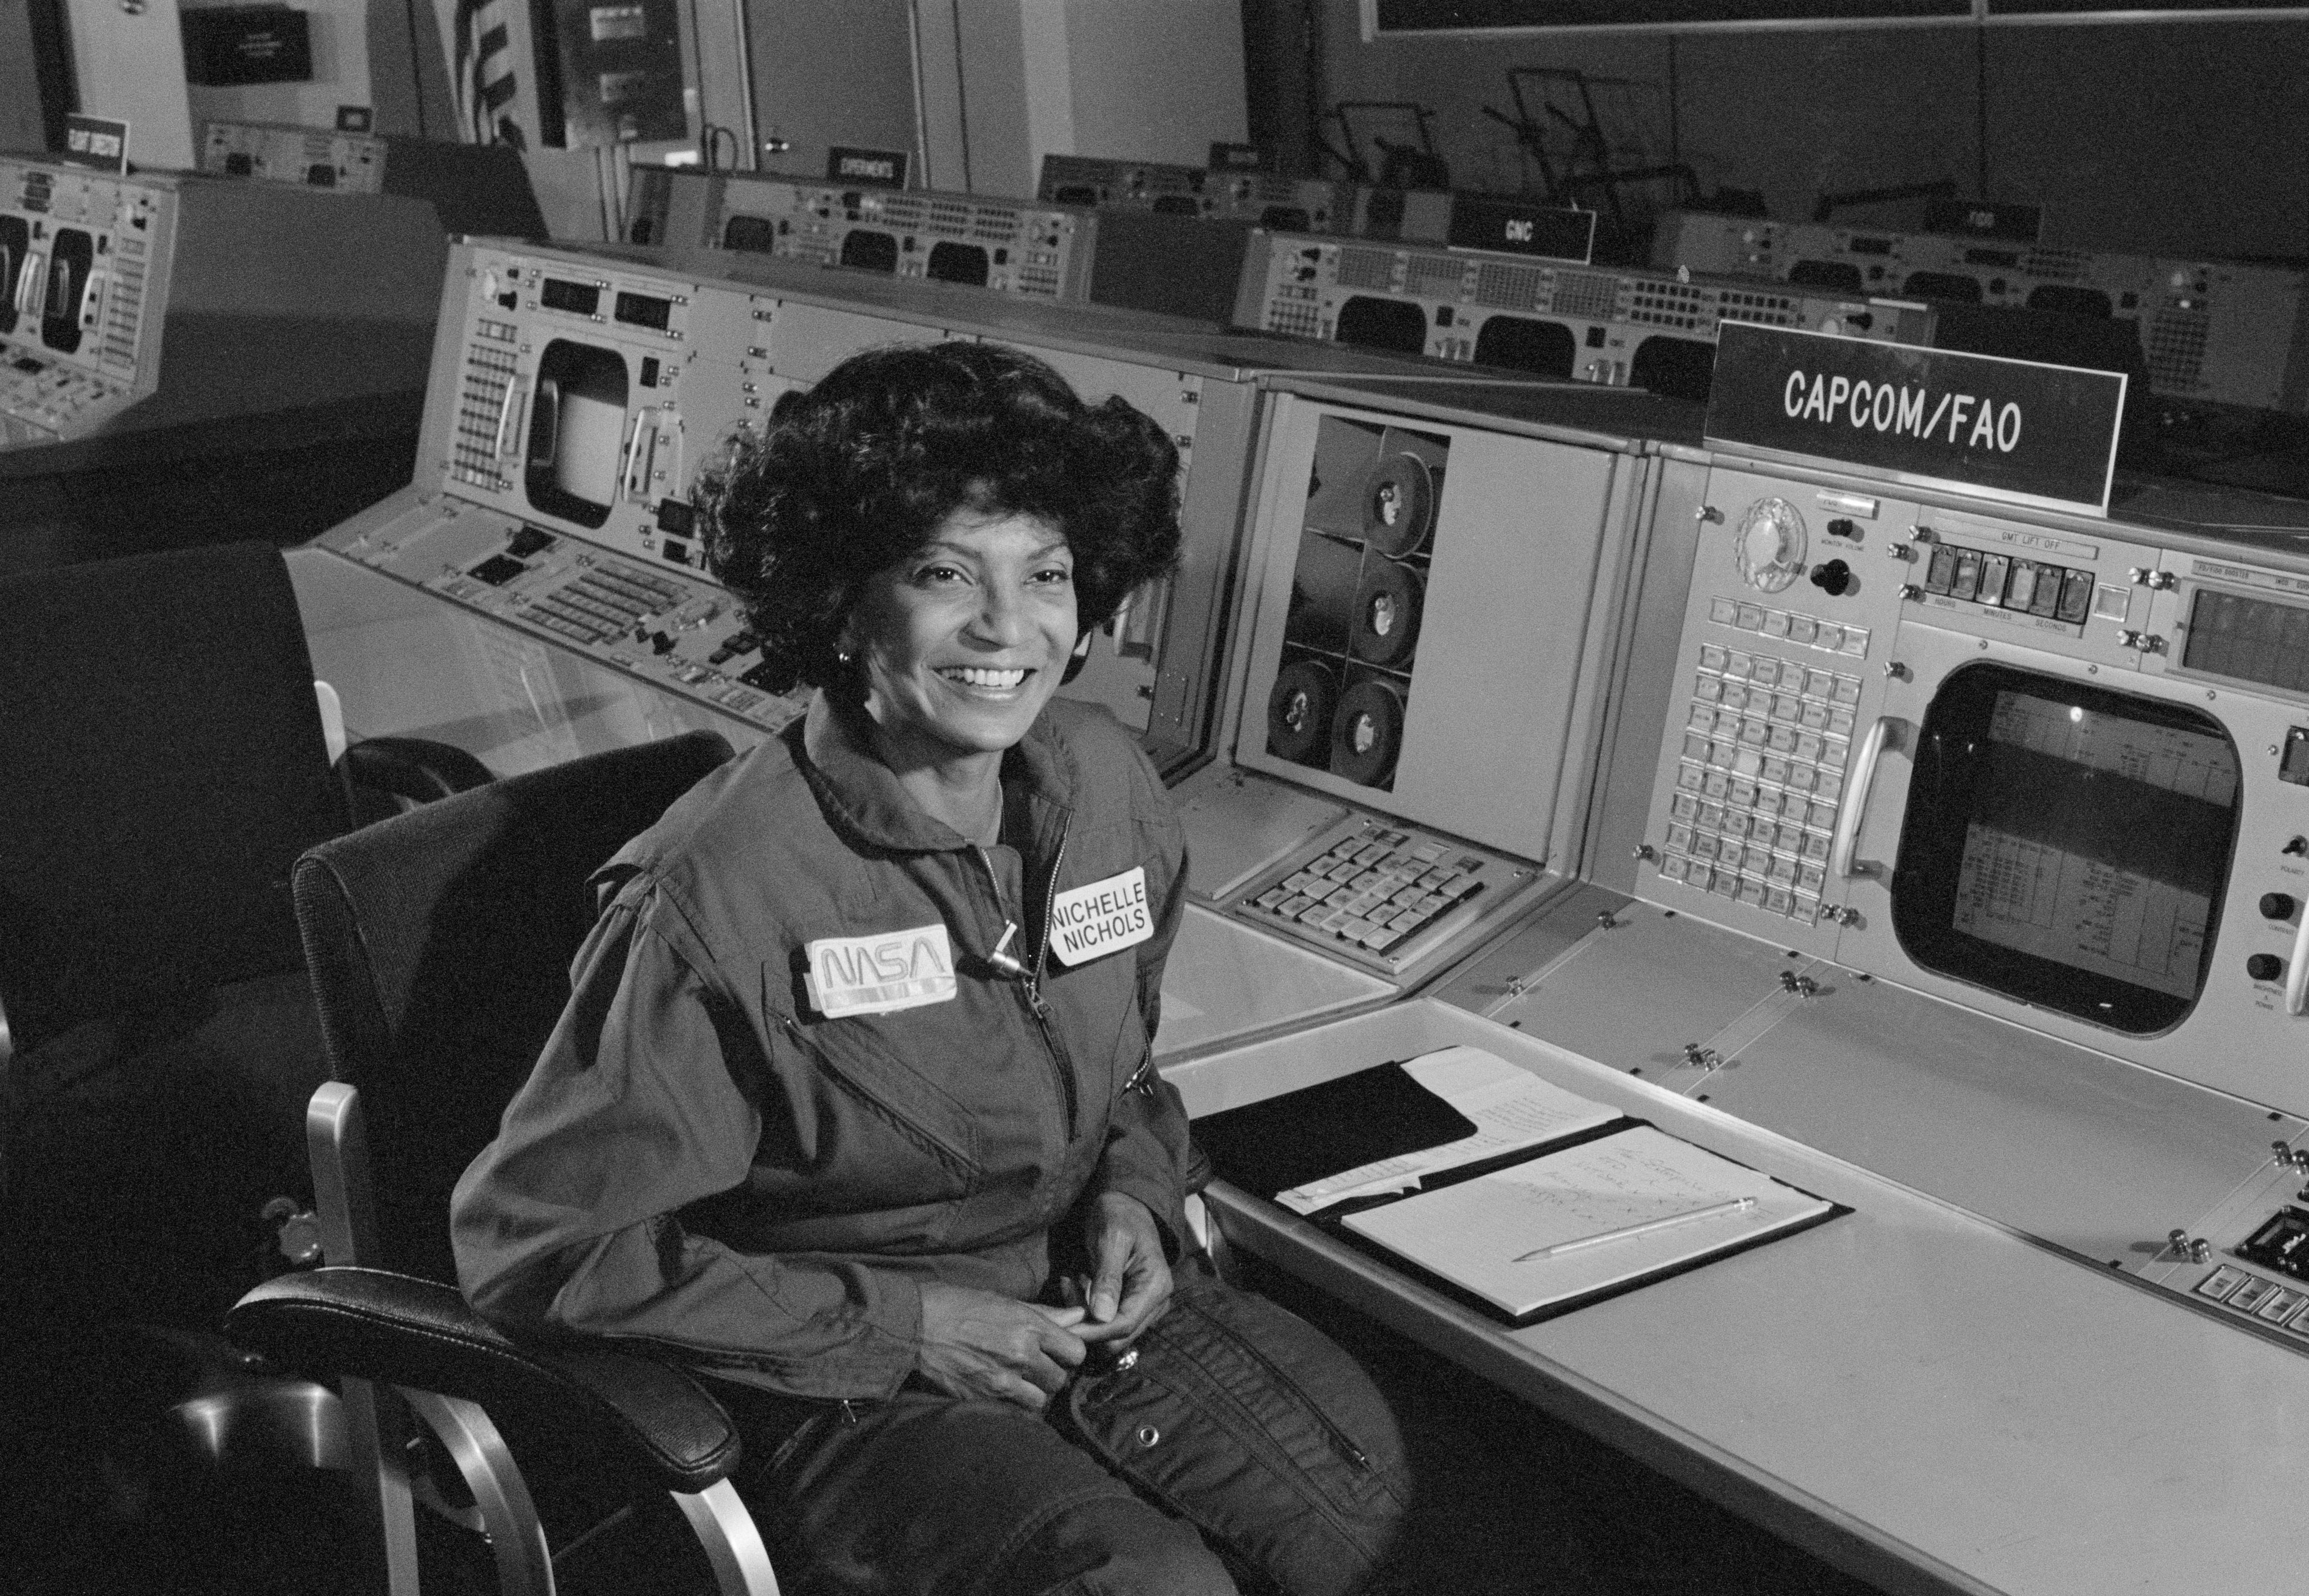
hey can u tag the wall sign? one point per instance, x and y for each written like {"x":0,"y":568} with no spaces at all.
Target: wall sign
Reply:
{"x":1548,"y":232}
{"x":98,"y":142}
{"x":2010,"y":429}
{"x":2002,"y":220}
{"x":865,"y":169}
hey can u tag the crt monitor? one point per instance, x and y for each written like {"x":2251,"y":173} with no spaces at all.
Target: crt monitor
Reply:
{"x":2067,"y":844}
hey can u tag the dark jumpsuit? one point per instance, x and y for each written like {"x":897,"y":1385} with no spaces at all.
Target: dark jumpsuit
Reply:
{"x":704,"y":1157}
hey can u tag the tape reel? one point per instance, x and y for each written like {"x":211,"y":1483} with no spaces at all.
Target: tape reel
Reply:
{"x":1367,"y":732}
{"x":1386,"y":612}
{"x":1299,"y":713}
{"x":1398,"y":504}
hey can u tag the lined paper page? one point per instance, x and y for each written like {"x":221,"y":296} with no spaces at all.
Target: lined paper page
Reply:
{"x":1511,"y":1109}
{"x":1475,"y":1233}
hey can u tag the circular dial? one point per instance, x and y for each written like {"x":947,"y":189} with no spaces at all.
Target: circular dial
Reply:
{"x":1770,"y":548}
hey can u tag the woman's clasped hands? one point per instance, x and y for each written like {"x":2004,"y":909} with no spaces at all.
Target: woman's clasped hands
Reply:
{"x":980,"y":1344}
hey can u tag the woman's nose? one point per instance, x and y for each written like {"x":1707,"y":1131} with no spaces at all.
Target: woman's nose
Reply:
{"x":1002,"y":618}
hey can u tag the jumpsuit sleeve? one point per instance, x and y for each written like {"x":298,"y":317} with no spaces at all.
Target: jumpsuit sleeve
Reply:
{"x":569,"y":1221}
{"x":1147,"y":1152}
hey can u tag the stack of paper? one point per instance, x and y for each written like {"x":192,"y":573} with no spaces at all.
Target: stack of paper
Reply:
{"x":1568,"y":1226}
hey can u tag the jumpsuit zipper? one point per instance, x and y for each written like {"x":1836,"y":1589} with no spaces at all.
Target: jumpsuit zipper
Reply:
{"x":1031,"y":989}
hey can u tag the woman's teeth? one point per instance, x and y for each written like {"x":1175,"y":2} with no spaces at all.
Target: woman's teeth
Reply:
{"x":973,"y":677}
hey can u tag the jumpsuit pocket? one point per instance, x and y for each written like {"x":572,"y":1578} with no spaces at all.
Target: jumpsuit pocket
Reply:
{"x":1244,"y":1419}
{"x":881,"y":1145}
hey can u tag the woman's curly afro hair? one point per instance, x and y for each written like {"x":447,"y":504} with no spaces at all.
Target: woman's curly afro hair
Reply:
{"x":859,"y":472}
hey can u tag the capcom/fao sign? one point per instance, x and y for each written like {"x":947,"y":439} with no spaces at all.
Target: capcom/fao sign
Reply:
{"x":2013,"y":430}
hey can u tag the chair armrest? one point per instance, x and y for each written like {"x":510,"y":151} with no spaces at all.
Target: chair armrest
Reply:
{"x":416,"y":768}
{"x":651,"y":1419}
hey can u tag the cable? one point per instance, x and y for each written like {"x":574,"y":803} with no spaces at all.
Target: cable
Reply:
{"x":1980,"y":108}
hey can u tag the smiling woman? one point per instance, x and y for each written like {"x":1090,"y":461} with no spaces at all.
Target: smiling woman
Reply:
{"x":854,"y":1103}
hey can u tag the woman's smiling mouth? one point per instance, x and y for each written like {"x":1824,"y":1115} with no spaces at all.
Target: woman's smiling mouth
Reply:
{"x":981,"y":676}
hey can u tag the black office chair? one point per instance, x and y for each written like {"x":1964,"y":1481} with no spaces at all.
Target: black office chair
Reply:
{"x":163,"y":762}
{"x":164,"y":758}
{"x":440,"y":943}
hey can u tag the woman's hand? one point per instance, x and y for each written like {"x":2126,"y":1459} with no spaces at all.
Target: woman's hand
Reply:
{"x":977,"y":1344}
{"x":1131,"y":1283}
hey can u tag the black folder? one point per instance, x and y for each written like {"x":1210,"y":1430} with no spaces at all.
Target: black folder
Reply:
{"x":1285,"y":1141}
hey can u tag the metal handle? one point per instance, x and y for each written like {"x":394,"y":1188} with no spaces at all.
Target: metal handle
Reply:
{"x":505,"y":413}
{"x":30,"y":282}
{"x":2296,"y":974}
{"x":633,"y":452}
{"x":1856,"y":795}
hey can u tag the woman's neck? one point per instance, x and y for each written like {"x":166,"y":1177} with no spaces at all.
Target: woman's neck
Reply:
{"x":963,"y":792}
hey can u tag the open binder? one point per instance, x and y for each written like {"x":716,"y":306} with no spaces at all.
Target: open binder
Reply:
{"x":1547,"y":1201}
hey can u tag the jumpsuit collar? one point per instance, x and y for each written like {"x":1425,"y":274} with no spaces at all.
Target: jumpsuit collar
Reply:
{"x":863,"y":795}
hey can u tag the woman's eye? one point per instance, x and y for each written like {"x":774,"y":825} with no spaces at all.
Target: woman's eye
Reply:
{"x":936,"y":574}
{"x":1054,"y":575}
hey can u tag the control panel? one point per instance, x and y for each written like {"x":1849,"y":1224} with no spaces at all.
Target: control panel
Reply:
{"x":1418,"y":650}
{"x":352,"y":161}
{"x":78,"y":254}
{"x":475,"y":189}
{"x":2052,"y":768}
{"x":2222,"y":332}
{"x":1009,"y":246}
{"x":1621,"y":328}
{"x":139,"y":301}
{"x":575,"y":396}
{"x":1285,"y":204}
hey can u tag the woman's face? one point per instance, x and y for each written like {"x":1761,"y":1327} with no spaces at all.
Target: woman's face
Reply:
{"x":963,"y":643}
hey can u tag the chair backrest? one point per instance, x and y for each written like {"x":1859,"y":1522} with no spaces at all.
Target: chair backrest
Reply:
{"x":440,"y":943}
{"x":161,"y":766}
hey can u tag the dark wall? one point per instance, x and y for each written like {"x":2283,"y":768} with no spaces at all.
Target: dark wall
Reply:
{"x":2178,"y":138}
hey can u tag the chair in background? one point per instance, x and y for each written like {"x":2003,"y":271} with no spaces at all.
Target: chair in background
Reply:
{"x":163,"y":762}
{"x":439,"y":942}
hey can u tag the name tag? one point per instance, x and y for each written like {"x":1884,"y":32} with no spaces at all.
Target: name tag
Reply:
{"x":880,"y":975}
{"x":1090,"y":922}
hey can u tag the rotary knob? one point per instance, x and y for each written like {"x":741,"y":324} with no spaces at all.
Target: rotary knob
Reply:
{"x":2264,"y":967}
{"x":1770,"y":548}
{"x":2277,"y":906}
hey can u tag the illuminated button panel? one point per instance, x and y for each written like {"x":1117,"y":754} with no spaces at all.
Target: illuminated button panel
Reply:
{"x":1375,"y":892}
{"x":2000,"y":581}
{"x":2257,"y":1297}
{"x":1767,"y":742}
